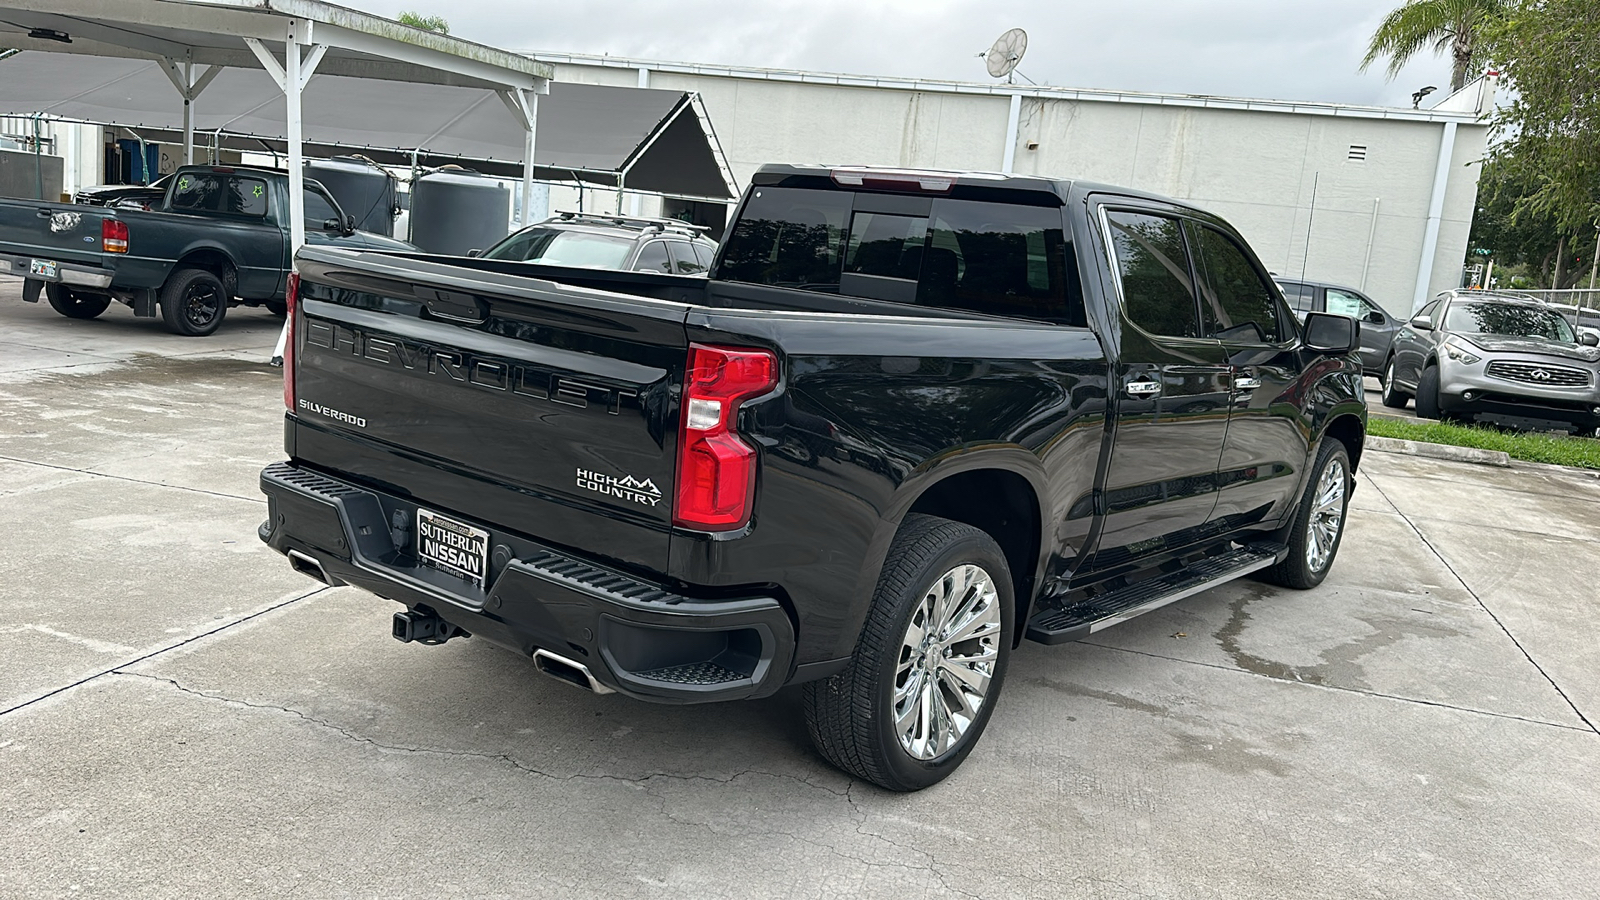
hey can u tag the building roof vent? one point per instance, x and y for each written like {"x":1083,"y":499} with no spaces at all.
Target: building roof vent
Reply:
{"x":1358,"y":153}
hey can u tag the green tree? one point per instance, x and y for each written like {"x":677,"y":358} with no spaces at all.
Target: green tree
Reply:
{"x":426,"y":23}
{"x":1452,"y":25}
{"x":1548,"y":128}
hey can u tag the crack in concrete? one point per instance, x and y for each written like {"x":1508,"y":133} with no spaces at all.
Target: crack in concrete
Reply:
{"x":110,"y":670}
{"x":1485,"y":607}
{"x":93,"y":473}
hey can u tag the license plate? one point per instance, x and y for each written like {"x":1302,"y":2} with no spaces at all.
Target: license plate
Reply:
{"x":451,"y":546}
{"x":42,"y":267}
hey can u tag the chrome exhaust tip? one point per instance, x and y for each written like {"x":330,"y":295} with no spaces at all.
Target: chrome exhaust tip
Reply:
{"x":571,"y":671}
{"x":308,"y":565}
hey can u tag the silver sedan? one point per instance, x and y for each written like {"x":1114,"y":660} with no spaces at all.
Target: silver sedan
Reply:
{"x":1473,"y":355}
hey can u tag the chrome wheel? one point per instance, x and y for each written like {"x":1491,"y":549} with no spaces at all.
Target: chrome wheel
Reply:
{"x":1327,"y":515}
{"x":947,"y":658}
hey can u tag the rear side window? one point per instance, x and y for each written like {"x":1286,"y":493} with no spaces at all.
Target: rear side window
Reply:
{"x":653,"y":258}
{"x":197,"y":193}
{"x":1000,"y":259}
{"x":992,"y":258}
{"x":684,"y":260}
{"x":1237,"y":303}
{"x":246,"y":197}
{"x":1157,"y":294}
{"x":788,"y":237}
{"x":1300,"y":296}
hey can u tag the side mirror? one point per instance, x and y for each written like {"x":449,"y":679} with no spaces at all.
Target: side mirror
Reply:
{"x":1422,"y":323}
{"x":349,"y":224}
{"x":475,"y":251}
{"x":1375,"y":317}
{"x":1331,"y":333}
{"x":1589,"y":339}
{"x":333,"y":225}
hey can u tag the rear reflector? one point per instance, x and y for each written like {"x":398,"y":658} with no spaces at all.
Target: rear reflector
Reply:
{"x":113,"y":236}
{"x":716,"y":468}
{"x":292,"y":299}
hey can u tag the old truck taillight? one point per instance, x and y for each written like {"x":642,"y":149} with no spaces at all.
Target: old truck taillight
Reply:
{"x":716,"y":468}
{"x":113,"y":236}
{"x":292,"y":299}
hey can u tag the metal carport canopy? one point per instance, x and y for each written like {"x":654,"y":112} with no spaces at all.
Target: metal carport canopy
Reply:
{"x":651,"y":140}
{"x":374,"y":83}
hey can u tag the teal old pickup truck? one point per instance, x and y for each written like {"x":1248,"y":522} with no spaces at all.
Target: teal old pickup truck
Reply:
{"x":218,"y":237}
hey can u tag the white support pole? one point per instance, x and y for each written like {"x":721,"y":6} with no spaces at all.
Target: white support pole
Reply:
{"x":1012,"y":119}
{"x":530,"y":208}
{"x":1430,"y":234}
{"x":188,"y":113}
{"x":297,"y":180}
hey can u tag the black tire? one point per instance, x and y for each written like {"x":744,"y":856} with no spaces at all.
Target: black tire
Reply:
{"x":851,"y":715}
{"x":1393,"y":397}
{"x":1428,"y":393}
{"x":1302,"y":570}
{"x":193,"y":303}
{"x":279,"y":308}
{"x":75,"y":304}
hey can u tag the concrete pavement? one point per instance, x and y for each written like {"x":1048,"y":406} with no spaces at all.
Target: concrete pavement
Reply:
{"x":182,"y":715}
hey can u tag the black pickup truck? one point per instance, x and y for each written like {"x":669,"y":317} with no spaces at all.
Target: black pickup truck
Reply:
{"x":911,"y":418}
{"x":218,"y":237}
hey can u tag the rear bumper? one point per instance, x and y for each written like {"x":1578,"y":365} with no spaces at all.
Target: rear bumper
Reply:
{"x":635,"y":637}
{"x":72,"y":274}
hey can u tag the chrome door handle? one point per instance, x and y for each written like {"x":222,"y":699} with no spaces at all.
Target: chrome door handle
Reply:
{"x":1143,"y":388}
{"x":1246,"y":383}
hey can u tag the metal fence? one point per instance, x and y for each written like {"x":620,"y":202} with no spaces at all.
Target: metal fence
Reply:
{"x":25,"y":132}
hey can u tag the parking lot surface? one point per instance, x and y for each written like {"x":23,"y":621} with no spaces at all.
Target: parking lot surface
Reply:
{"x":182,"y":715}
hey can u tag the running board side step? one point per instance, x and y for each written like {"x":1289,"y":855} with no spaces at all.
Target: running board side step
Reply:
{"x":1058,"y":625}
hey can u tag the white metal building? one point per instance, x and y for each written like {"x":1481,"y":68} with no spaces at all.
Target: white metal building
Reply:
{"x":1394,"y":189}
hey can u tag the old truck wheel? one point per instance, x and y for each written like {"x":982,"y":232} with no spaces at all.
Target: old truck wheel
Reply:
{"x":75,"y":304}
{"x":929,"y":664}
{"x":193,"y":302}
{"x":1318,"y":523}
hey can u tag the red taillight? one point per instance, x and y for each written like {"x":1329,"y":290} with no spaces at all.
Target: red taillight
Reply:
{"x":291,"y":299}
{"x":113,"y":236}
{"x":716,"y":468}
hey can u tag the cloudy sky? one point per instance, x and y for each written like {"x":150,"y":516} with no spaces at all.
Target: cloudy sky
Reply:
{"x":1280,"y":49}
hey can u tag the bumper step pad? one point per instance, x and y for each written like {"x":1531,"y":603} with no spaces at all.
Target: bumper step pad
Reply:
{"x":1058,"y":625}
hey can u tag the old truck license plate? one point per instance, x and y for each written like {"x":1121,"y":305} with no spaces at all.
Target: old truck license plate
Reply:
{"x":452,"y":546}
{"x":42,"y":267}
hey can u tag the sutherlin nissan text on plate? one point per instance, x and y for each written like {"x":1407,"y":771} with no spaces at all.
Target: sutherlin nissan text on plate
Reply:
{"x":910,"y":418}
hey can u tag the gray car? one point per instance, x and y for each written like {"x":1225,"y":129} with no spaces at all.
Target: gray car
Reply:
{"x":599,"y":241}
{"x":1475,"y":355}
{"x":1377,"y":326}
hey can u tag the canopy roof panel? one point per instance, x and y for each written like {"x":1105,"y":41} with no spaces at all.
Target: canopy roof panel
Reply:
{"x":658,"y":138}
{"x":211,"y":32}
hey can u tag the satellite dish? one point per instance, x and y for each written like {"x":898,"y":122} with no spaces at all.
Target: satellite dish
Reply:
{"x":1002,"y":58}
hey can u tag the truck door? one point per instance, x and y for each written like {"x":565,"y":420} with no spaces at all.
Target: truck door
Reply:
{"x":1171,"y":383}
{"x":1266,"y":444}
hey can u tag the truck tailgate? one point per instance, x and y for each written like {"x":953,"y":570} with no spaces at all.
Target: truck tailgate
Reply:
{"x":541,"y":408}
{"x":59,"y":232}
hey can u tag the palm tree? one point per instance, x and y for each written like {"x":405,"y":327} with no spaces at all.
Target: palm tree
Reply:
{"x":1446,"y":24}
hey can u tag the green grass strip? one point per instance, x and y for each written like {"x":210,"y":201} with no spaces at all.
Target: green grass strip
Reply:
{"x":1543,"y":448}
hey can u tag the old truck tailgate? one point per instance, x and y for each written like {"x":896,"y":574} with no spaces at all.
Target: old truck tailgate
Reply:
{"x":545,"y":409}
{"x":52,"y":232}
